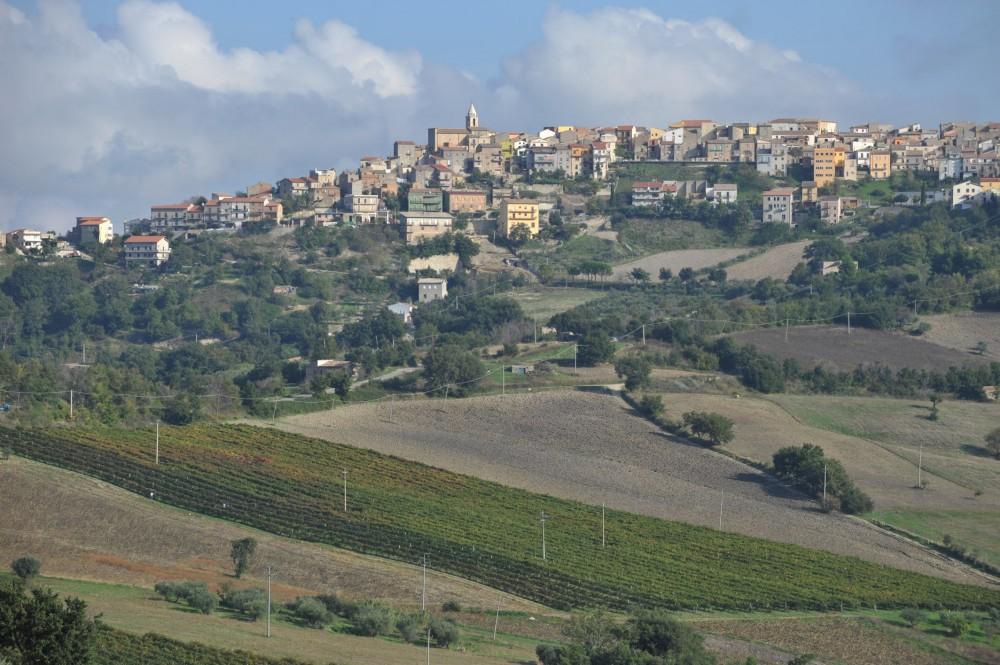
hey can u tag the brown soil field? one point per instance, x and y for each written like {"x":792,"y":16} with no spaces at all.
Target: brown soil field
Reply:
{"x":833,"y":348}
{"x":592,"y":448}
{"x":83,"y":528}
{"x":677,"y":259}
{"x":777,"y":262}
{"x":963,"y":331}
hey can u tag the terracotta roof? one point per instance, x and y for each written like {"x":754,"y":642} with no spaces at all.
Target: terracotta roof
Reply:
{"x":171,"y":206}
{"x":144,"y":239}
{"x":92,"y":222}
{"x":780,"y":191}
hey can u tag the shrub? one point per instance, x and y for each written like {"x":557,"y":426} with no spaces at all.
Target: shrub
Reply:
{"x":408,"y":627}
{"x":337,"y":605}
{"x":202,"y":600}
{"x":444,"y":633}
{"x":242,"y":552}
{"x":651,"y":406}
{"x":27,"y":567}
{"x":956,"y":624}
{"x":312,"y":612}
{"x":372,"y":619}
{"x":250,"y":602}
{"x":451,"y":606}
{"x":912,"y":616}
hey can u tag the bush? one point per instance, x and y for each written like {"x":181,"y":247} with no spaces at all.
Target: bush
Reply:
{"x":651,"y":406}
{"x":27,"y":567}
{"x":250,"y":602}
{"x":451,"y":606}
{"x":311,"y":611}
{"x":444,"y":633}
{"x":337,"y":605}
{"x":372,"y":619}
{"x":242,"y":552}
{"x":956,"y":624}
{"x":912,"y":616}
{"x":408,"y":627}
{"x":202,"y":600}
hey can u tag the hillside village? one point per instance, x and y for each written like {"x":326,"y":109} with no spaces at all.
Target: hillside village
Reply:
{"x":493,"y":178}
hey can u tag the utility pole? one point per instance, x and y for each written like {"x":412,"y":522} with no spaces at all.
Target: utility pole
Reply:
{"x":644,"y":334}
{"x":824,"y":485}
{"x":423,"y":591}
{"x":496,"y":622}
{"x":345,"y":490}
{"x":269,"y":601}
{"x":428,"y":646}
{"x":84,"y":352}
{"x":722,"y":502}
{"x":274,"y":411}
{"x":543,"y":536}
{"x":503,"y":380}
{"x":71,"y":404}
{"x":920,"y":465}
{"x":157,"y":442}
{"x":575,"y":346}
{"x":848,"y":322}
{"x":534,"y":329}
{"x":391,"y":399}
{"x":786,"y":330}
{"x":604,"y":541}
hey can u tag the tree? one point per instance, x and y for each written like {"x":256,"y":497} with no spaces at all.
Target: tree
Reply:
{"x":26,"y":568}
{"x":956,"y":624}
{"x":657,"y":633}
{"x":712,"y":427}
{"x":686,"y":274}
{"x":639,"y":275}
{"x":312,"y":612}
{"x":666,"y":274}
{"x":635,"y":369}
{"x":454,"y":368}
{"x":980,"y":348}
{"x":202,"y":600}
{"x":444,"y":633}
{"x":651,"y":406}
{"x":912,"y":616}
{"x":993,"y":442}
{"x":595,"y":348}
{"x":242,"y":552}
{"x":40,"y":629}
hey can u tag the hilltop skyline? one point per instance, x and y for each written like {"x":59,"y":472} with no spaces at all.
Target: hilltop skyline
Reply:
{"x":156,"y":101}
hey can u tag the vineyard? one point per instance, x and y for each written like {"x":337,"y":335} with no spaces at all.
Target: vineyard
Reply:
{"x":115,"y":647}
{"x":293,"y":486}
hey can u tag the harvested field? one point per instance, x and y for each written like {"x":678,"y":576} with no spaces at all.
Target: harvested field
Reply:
{"x":543,"y":302}
{"x":963,"y":331}
{"x":777,"y":263}
{"x":86,"y":529}
{"x":675,"y":260}
{"x":592,"y":448}
{"x":833,"y":348}
{"x":762,"y":427}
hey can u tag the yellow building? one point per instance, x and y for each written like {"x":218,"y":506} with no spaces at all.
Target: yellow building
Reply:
{"x":880,"y":163}
{"x":990,"y":184}
{"x":825,"y":166}
{"x":513,"y":213}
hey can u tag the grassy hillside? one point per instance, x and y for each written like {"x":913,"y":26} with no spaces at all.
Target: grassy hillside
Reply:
{"x":292,"y":485}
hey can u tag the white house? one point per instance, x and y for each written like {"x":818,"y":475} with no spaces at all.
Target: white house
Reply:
{"x":151,"y":250}
{"x":778,"y":204}
{"x":722,"y":193}
{"x":403,"y":310}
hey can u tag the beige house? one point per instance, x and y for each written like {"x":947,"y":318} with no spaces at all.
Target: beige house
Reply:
{"x":151,"y":250}
{"x":778,"y":204}
{"x":514,"y":213}
{"x":430,"y":289}
{"x":824,"y":166}
{"x":465,"y":200}
{"x":831,"y":209}
{"x":880,"y":164}
{"x":419,"y":224}
{"x":94,"y":229}
{"x":808,"y":192}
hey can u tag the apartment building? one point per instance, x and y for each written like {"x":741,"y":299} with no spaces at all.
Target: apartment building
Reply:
{"x":97,"y":230}
{"x":419,"y":225}
{"x":778,"y":206}
{"x":514,"y":213}
{"x":149,"y":250}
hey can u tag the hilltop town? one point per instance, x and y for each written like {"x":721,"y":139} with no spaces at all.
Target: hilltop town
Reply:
{"x":487,"y":174}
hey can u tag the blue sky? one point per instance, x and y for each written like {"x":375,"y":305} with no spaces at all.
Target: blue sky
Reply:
{"x":125,"y":103}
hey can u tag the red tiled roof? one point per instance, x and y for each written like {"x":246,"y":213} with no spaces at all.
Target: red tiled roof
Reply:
{"x":144,"y":239}
{"x":171,"y":206}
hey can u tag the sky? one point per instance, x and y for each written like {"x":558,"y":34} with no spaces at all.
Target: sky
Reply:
{"x":113,"y":105}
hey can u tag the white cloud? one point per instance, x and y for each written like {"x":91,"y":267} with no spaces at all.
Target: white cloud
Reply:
{"x":618,"y":65}
{"x":157,"y":112}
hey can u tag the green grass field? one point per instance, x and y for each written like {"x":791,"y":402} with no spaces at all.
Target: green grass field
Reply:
{"x":542,"y":303}
{"x":292,"y":485}
{"x":976,"y":531}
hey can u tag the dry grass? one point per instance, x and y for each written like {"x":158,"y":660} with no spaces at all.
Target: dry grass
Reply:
{"x":677,"y":259}
{"x":964,"y":330}
{"x":591,"y":448}
{"x":543,"y":302}
{"x":85,"y":529}
{"x":777,"y":263}
{"x":832,"y":347}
